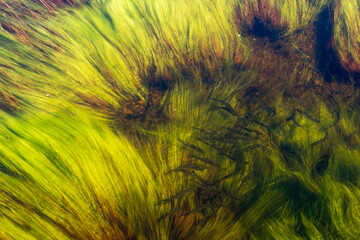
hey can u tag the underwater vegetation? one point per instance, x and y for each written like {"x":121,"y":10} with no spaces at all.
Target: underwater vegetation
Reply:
{"x":346,"y":37}
{"x":277,"y":16}
{"x":28,"y":45}
{"x":160,"y":42}
{"x":178,"y":119}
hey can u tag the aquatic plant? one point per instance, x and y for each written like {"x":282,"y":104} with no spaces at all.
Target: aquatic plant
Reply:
{"x":239,"y":156}
{"x":170,"y":40}
{"x":28,"y":44}
{"x":188,"y":36}
{"x":281,"y":164}
{"x":19,"y":17}
{"x":346,"y":34}
{"x":28,"y":73}
{"x":277,"y":16}
{"x":65,"y":179}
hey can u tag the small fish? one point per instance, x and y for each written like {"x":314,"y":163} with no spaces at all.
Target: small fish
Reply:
{"x":172,"y":213}
{"x":230,"y":109}
{"x":232,"y":158}
{"x":271,"y":111}
{"x":192,"y":146}
{"x":308,"y":116}
{"x":252,"y":146}
{"x":205,"y":131}
{"x":209,"y":144}
{"x":206,"y":160}
{"x":186,"y":168}
{"x":227,"y":139}
{"x":227,"y":107}
{"x":238,"y":132}
{"x":292,"y":118}
{"x":321,"y":140}
{"x":203,"y":182}
{"x":227,"y":176}
{"x":179,"y":195}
